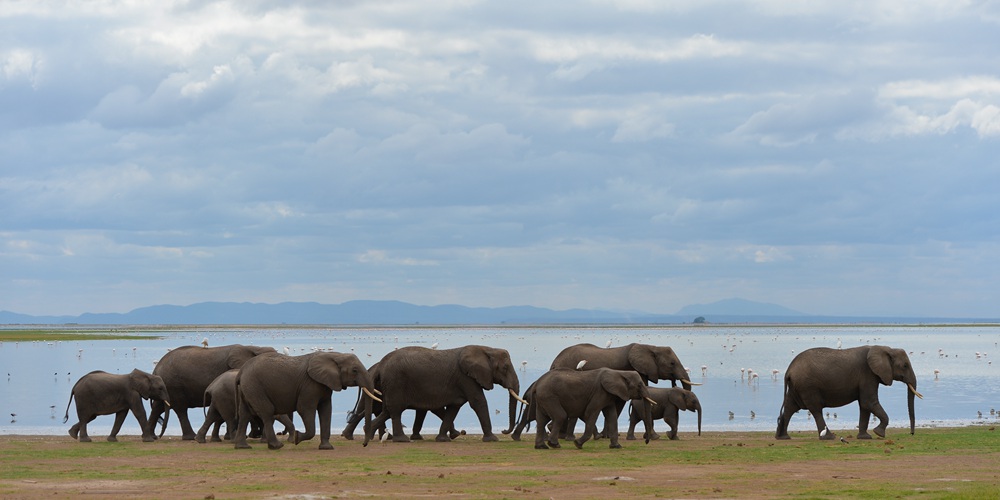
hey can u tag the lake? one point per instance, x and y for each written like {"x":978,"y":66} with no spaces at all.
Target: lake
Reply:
{"x":965,"y":389}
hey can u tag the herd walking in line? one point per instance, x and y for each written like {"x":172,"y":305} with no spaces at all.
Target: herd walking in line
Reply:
{"x":248,"y":388}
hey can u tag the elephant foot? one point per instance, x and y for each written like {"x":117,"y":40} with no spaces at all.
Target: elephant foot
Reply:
{"x":148,"y":439}
{"x":275,"y":445}
{"x":555,"y":445}
{"x":417,"y":437}
{"x":864,"y":435}
{"x":615,"y":446}
{"x":442,"y":438}
{"x":782,"y":436}
{"x":829,"y":436}
{"x":188,"y":437}
{"x":653,"y":436}
{"x":347,"y":435}
{"x":578,"y":444}
{"x":879,"y":431}
{"x":402,"y":438}
{"x":516,"y":436}
{"x":217,"y":439}
{"x":490,"y":438}
{"x":672,"y":437}
{"x":112,"y":439}
{"x":74,"y":431}
{"x":542,"y":446}
{"x":326,"y":446}
{"x":199,"y":438}
{"x":454,"y":434}
{"x":242,"y":445}
{"x":630,"y":437}
{"x":84,"y":439}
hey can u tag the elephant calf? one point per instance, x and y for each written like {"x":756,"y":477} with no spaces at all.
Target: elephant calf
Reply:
{"x":563,"y":394}
{"x":220,"y":399}
{"x":669,"y":402}
{"x":102,"y":393}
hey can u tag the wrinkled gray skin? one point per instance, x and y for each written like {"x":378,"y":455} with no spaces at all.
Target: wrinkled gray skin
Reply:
{"x":562,"y":394}
{"x":828,"y":378}
{"x":357,"y":415}
{"x":187,"y":371}
{"x":418,"y":378}
{"x":275,"y":384}
{"x":220,"y":399}
{"x":102,"y":393}
{"x":653,"y":363}
{"x":669,"y":402}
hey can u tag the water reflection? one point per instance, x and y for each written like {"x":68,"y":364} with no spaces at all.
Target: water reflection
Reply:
{"x":740,"y":368}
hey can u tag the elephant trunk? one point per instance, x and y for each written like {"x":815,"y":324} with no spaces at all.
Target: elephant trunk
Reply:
{"x":910,"y":394}
{"x":697,"y":408}
{"x":511,"y":412}
{"x":166,"y":418}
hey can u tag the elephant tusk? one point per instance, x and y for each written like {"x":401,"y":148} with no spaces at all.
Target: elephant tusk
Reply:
{"x":369,"y":393}
{"x":512,"y":393}
{"x":915,"y":393}
{"x":651,"y":401}
{"x":688,"y":382}
{"x":377,"y":392}
{"x":167,"y":403}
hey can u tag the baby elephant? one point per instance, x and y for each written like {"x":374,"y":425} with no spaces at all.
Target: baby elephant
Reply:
{"x":562,"y":394}
{"x":220,"y":401}
{"x":669,"y":401}
{"x":102,"y":393}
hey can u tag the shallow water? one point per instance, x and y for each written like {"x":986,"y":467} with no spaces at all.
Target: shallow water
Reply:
{"x":41,"y":374}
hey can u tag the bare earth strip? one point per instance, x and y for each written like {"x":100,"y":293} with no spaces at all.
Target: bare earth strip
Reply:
{"x":931,"y":463}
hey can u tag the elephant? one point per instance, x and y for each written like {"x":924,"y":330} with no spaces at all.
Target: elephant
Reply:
{"x":822,"y":377}
{"x":220,"y":401}
{"x":669,"y":402}
{"x":275,"y":384}
{"x":561,"y":394}
{"x":653,"y":363}
{"x":419,"y":378}
{"x":188,"y":370}
{"x":355,"y":416}
{"x":102,"y":393}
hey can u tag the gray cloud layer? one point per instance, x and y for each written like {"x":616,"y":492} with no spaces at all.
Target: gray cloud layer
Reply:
{"x":833,"y":157}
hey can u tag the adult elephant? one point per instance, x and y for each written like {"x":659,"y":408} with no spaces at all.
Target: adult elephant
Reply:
{"x":419,"y":378}
{"x":102,"y":393}
{"x":188,"y":371}
{"x":669,"y":402}
{"x":561,"y":394}
{"x":821,"y":378}
{"x":275,"y":384}
{"x":355,"y":416}
{"x":652,"y":363}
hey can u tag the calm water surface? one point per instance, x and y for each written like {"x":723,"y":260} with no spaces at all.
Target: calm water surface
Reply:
{"x":39,"y":375}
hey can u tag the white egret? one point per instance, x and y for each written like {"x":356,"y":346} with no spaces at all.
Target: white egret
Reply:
{"x":579,"y":366}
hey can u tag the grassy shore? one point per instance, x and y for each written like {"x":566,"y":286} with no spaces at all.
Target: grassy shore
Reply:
{"x":934,"y":463}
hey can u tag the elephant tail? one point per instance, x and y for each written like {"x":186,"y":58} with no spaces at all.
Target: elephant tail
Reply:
{"x":71,"y":394}
{"x":206,"y":399}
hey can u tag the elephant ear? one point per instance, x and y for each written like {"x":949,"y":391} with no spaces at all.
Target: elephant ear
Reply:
{"x":615,"y":384}
{"x":476,"y":363}
{"x":676,"y":398}
{"x":139,"y":381}
{"x":325,"y":370}
{"x":643,"y":361}
{"x":237,"y":356}
{"x":881,"y":364}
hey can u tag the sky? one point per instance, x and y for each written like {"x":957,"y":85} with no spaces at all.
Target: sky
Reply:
{"x":834,"y":157}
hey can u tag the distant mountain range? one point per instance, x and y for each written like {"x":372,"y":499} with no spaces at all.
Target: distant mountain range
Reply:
{"x":373,"y":312}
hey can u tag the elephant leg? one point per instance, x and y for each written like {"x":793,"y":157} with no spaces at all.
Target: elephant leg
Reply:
{"x":824,"y":432}
{"x":74,"y":431}
{"x":325,"y":410}
{"x":353,"y":419}
{"x":398,"y":436}
{"x":418,"y":424}
{"x":187,"y":432}
{"x":267,"y":427}
{"x":452,"y":431}
{"x":212,"y":417}
{"x":217,"y":429}
{"x":632,"y":420}
{"x":865,"y":416}
{"x":156,"y":409}
{"x":611,"y":426}
{"x":568,"y":430}
{"x":286,"y":421}
{"x":883,"y":419}
{"x":84,"y":420}
{"x":308,"y":416}
{"x":541,"y":436}
{"x":478,"y":404}
{"x":672,"y":423}
{"x":447,"y":423}
{"x":558,"y":419}
{"x":240,"y":433}
{"x":119,"y":420}
{"x":589,"y":431}
{"x":788,"y":408}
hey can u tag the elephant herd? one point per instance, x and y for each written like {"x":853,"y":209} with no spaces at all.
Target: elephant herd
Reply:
{"x":251,"y":387}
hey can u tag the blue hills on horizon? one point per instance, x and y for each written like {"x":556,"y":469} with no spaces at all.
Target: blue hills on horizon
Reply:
{"x":389,"y":312}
